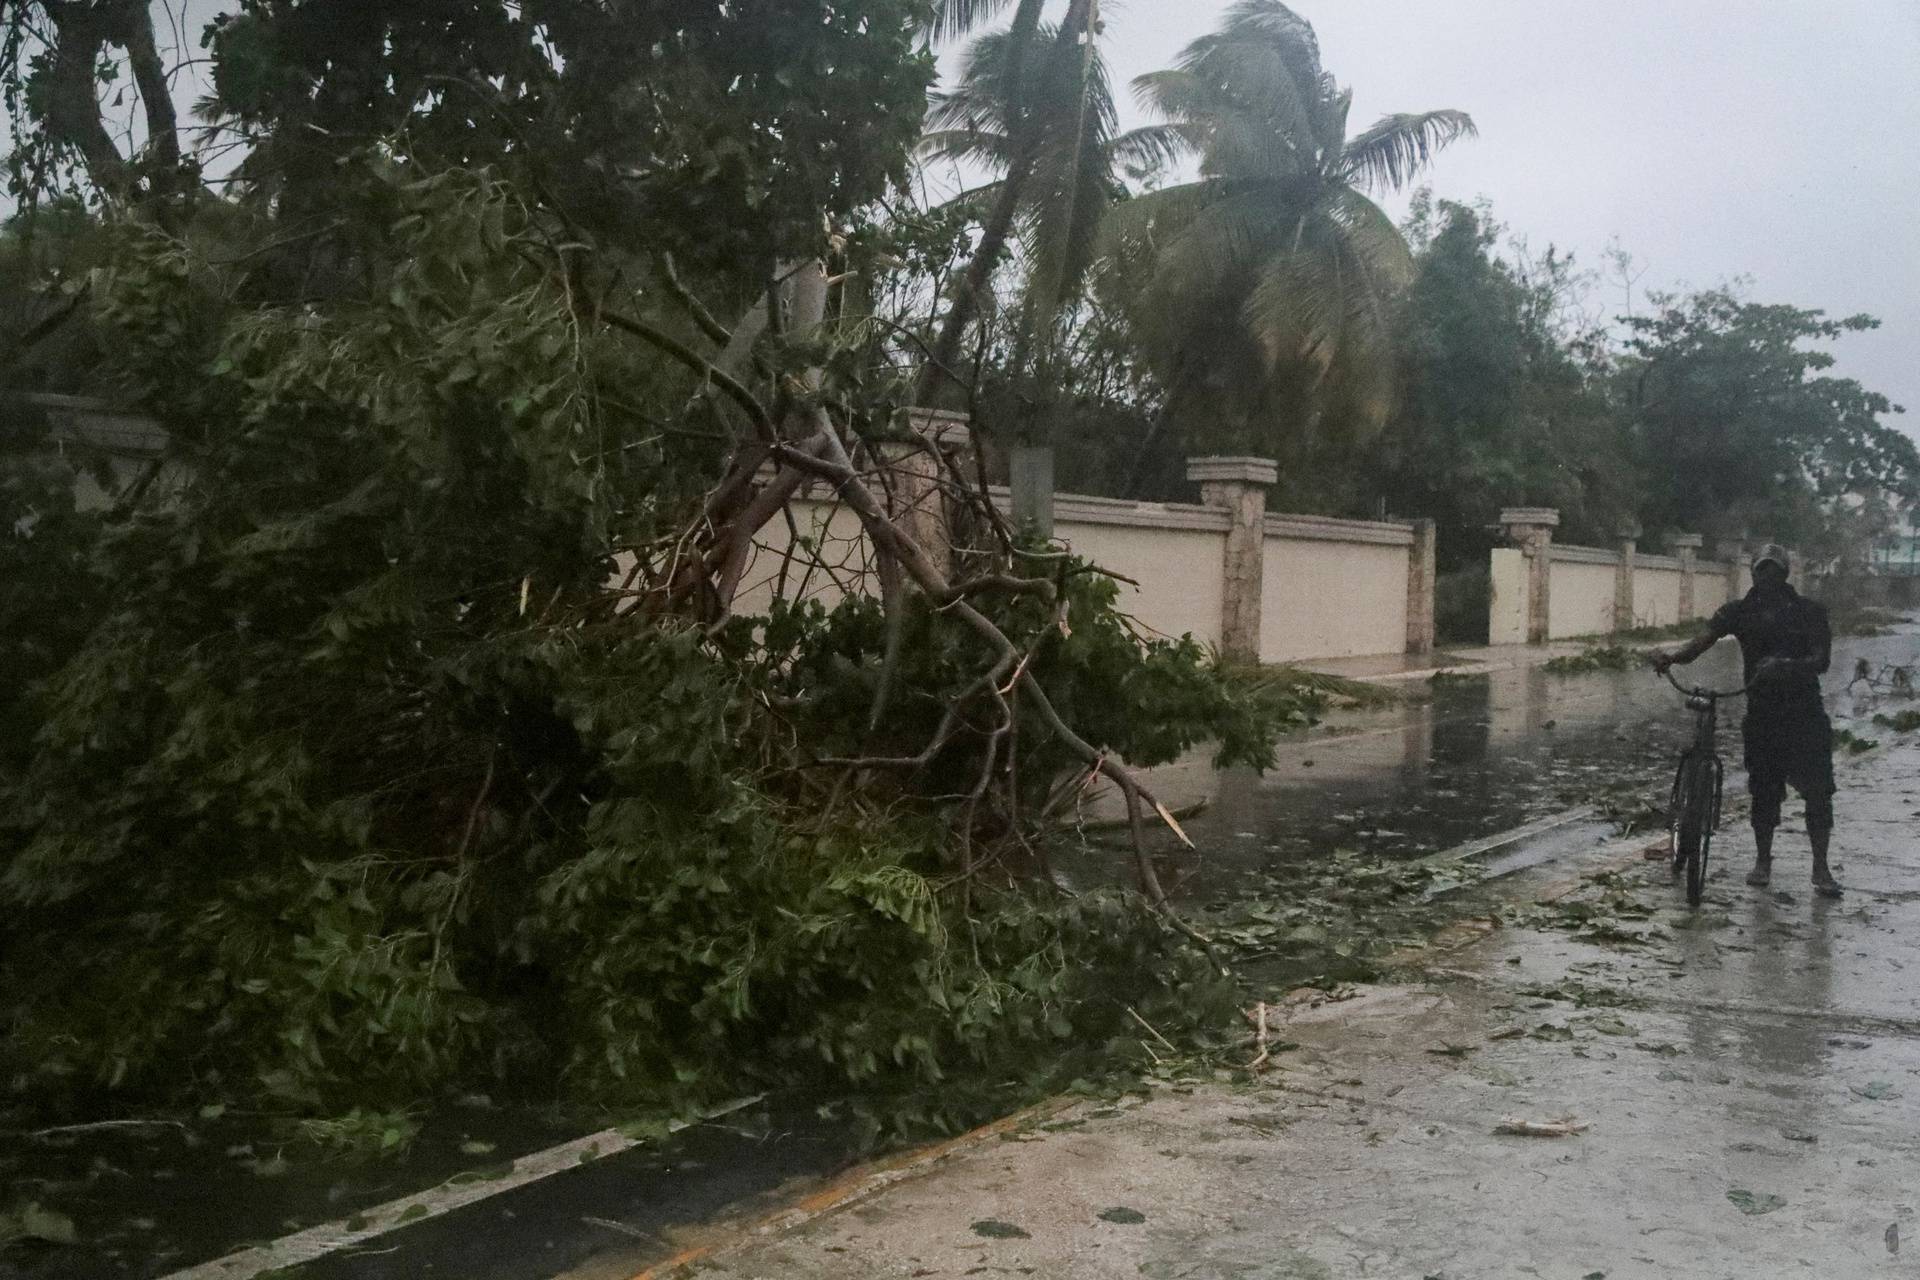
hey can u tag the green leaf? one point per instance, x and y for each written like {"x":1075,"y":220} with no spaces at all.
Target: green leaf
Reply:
{"x":650,"y":1129}
{"x":993,"y":1229}
{"x":1754,"y":1204}
{"x":34,"y":1221}
{"x":1124,"y":1216}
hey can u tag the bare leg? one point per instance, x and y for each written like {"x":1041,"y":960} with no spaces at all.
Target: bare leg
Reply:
{"x":1762,"y":871}
{"x":1823,"y":882}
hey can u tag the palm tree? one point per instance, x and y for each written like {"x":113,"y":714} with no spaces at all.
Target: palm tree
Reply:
{"x":1073,"y":175}
{"x":1065,"y":64}
{"x":1265,"y":300}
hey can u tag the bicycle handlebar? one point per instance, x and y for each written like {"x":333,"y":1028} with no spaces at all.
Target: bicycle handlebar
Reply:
{"x":1707,"y":693}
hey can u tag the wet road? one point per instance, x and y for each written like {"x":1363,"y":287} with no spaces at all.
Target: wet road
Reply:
{"x":1739,"y":1086}
{"x":1480,"y":757}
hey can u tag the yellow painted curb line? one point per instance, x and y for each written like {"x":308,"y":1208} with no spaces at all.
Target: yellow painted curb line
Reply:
{"x":855,"y":1186}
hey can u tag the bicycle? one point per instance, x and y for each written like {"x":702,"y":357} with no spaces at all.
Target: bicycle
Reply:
{"x":1693,"y":812}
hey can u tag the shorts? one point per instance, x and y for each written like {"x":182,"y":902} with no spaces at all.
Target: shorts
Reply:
{"x":1790,"y":748}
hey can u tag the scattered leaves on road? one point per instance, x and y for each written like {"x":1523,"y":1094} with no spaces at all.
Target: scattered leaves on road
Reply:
{"x":993,"y":1229}
{"x":1124,"y":1216}
{"x":34,"y":1221}
{"x":1753,"y":1203}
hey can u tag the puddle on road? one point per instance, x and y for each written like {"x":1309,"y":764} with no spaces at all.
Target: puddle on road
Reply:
{"x":1471,"y":759}
{"x":1474,"y":758}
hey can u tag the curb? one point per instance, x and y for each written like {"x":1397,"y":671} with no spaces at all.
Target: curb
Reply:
{"x":850,"y":1189}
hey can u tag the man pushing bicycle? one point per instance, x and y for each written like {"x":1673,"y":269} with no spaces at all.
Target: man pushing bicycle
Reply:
{"x":1786,"y":644}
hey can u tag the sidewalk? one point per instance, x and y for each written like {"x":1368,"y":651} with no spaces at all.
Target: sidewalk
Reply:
{"x":1749,"y":1079}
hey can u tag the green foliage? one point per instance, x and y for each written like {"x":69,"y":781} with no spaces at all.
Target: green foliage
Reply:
{"x":1732,"y":412}
{"x":49,"y":596}
{"x":1461,"y":600}
{"x":1340,"y":915}
{"x":33,"y":1221}
{"x":1899,"y":722}
{"x":348,"y":786}
{"x":1264,"y":305}
{"x":362,"y":1133}
{"x":1852,"y":743}
{"x":46,"y":342}
{"x":1603,"y":657}
{"x":1496,"y":407}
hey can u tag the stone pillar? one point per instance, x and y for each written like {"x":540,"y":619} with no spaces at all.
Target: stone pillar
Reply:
{"x":1623,"y":577}
{"x":1687,"y":547}
{"x":1531,"y":530}
{"x":1239,"y":487}
{"x":1420,"y":573}
{"x":1733,"y":551}
{"x":1030,"y":478}
{"x":912,"y":485}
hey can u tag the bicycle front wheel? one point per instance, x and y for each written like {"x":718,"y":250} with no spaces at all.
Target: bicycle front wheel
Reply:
{"x":1693,"y":833}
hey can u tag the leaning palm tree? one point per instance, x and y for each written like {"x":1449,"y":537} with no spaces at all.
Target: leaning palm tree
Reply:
{"x":1067,"y":63}
{"x":1266,"y":294}
{"x":1075,"y":162}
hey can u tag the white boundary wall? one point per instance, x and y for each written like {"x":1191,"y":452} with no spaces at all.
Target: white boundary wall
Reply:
{"x":1656,"y":590}
{"x":1584,"y":587}
{"x":1330,"y":588}
{"x":1334,"y":588}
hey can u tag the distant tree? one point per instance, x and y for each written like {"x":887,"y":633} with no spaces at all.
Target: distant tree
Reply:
{"x":1499,"y":404}
{"x":47,"y":340}
{"x":1734,"y":419}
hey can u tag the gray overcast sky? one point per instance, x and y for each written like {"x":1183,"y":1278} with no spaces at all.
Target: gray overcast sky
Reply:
{"x":1776,"y":139}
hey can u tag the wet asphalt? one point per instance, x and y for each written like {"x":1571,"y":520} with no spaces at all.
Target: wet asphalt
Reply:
{"x":1472,"y":759}
{"x":1722,"y":1093}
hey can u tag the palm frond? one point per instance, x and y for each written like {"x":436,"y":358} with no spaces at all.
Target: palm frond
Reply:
{"x":954,"y":18}
{"x":1326,"y":301}
{"x":1152,"y":147}
{"x":993,"y":150}
{"x":1388,"y":155}
{"x":1330,"y":123}
{"x":1274,"y":22}
{"x":1301,"y":297}
{"x":1370,"y":235}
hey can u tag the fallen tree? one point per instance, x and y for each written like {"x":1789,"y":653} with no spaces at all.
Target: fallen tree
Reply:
{"x":364,"y":782}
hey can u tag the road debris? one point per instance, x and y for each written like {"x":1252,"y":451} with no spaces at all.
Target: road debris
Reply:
{"x":1565,"y":1127}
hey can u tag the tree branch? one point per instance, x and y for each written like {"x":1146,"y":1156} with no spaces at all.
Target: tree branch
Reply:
{"x":672,"y":346}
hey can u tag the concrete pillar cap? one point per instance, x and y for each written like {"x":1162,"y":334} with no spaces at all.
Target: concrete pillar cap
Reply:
{"x":1261,"y":471}
{"x":1686,"y":540}
{"x":941,"y":426}
{"x":1627,"y":529}
{"x":1531,"y":517}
